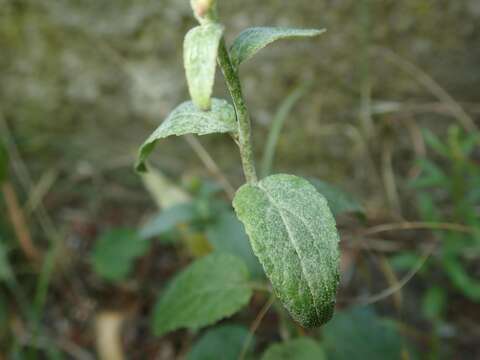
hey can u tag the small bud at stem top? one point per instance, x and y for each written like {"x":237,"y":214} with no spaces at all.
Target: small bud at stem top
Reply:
{"x":204,"y":10}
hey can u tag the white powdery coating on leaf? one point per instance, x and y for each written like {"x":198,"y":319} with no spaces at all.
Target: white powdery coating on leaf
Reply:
{"x":188,"y":119}
{"x":200,"y":61}
{"x":293,"y":233}
{"x":252,"y":40}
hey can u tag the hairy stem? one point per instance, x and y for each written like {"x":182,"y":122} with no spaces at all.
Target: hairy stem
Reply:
{"x":243,"y":118}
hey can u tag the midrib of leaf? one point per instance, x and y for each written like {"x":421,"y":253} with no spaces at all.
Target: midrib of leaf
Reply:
{"x":293,"y":242}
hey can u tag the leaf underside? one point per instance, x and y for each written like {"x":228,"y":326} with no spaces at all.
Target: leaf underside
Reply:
{"x":188,"y":119}
{"x":209,"y":290}
{"x":200,"y":61}
{"x":293,"y":233}
{"x":252,"y":40}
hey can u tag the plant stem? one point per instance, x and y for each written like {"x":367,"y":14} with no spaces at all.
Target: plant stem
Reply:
{"x":243,"y":118}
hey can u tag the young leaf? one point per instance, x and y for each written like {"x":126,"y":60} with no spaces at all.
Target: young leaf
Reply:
{"x":223,"y":342}
{"x":115,"y":252}
{"x":339,"y":201}
{"x":227,"y":235}
{"x":293,"y":233}
{"x":186,"y":119}
{"x":252,"y":40}
{"x":209,"y":290}
{"x":298,"y":349}
{"x":200,"y":59}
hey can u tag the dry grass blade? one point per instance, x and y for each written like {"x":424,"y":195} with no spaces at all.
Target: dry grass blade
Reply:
{"x":429,"y":83}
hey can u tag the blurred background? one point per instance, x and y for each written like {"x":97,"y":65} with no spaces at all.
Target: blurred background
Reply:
{"x":385,"y":107}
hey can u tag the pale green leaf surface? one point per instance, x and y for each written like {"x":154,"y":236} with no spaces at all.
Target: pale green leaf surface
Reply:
{"x":200,"y":60}
{"x":209,"y":290}
{"x":252,"y":40}
{"x":188,"y":119}
{"x":227,"y":235}
{"x":115,"y":252}
{"x":293,"y":233}
{"x":221,"y":343}
{"x":298,"y":349}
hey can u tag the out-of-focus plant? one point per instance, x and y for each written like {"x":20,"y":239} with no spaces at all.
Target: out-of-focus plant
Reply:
{"x":453,"y":185}
{"x":449,"y":192}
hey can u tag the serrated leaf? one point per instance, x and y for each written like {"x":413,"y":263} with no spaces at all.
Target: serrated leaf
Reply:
{"x":188,"y":119}
{"x":297,"y":349}
{"x":209,"y":290}
{"x":293,"y":233}
{"x":360,"y":334}
{"x":200,"y":60}
{"x":3,"y":163}
{"x":221,"y":343}
{"x":115,"y":252}
{"x":227,"y":235}
{"x":339,"y":201}
{"x":252,"y":40}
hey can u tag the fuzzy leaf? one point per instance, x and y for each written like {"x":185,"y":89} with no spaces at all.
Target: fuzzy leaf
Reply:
{"x":188,"y":119}
{"x":297,"y":349}
{"x":293,"y":233}
{"x":252,"y":40}
{"x":200,"y":60}
{"x":223,"y":342}
{"x":209,"y":290}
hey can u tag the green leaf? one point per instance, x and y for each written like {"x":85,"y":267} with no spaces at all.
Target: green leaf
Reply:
{"x":3,"y":163}
{"x":405,"y":260}
{"x":293,"y":233}
{"x":434,"y":142}
{"x":209,"y":290}
{"x":227,"y":235}
{"x":434,"y":302}
{"x":339,"y":201}
{"x":297,"y":349}
{"x":5,"y":268}
{"x":221,"y":343}
{"x":360,"y":334}
{"x":252,"y":40}
{"x":168,"y":219}
{"x":188,"y":119}
{"x":200,"y":59}
{"x":115,"y":252}
{"x":461,"y":279}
